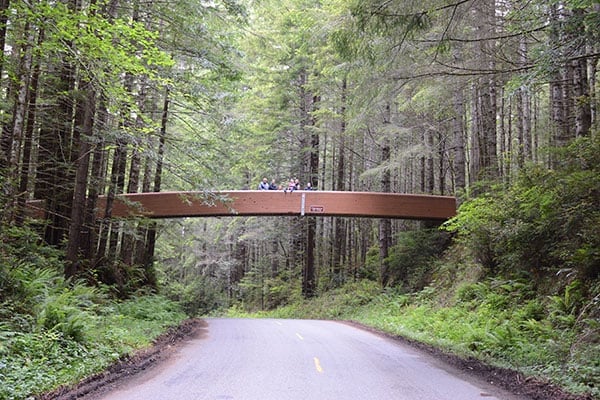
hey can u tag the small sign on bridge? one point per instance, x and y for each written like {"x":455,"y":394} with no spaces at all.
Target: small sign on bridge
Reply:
{"x":317,"y":209}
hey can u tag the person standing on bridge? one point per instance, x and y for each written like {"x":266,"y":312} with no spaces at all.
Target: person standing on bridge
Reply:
{"x":292,"y":185}
{"x":273,"y":185}
{"x":264,"y":185}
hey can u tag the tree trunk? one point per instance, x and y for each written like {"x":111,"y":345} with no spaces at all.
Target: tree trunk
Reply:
{"x":78,"y":211}
{"x":12,"y":143}
{"x":130,"y":241}
{"x":558,"y":99}
{"x":581,"y":98}
{"x":91,"y":227}
{"x":6,"y":132}
{"x":56,"y":173}
{"x":525,"y":110}
{"x":458,"y":133}
{"x":430,"y":168}
{"x":385,"y":224}
{"x":340,"y":223}
{"x":149,"y":271}
{"x":4,"y":4}
{"x":28,"y":140}
{"x":309,"y":271}
{"x":442,"y":150}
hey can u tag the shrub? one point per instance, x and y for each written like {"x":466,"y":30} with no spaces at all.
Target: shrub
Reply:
{"x":544,"y":222}
{"x":411,"y":259}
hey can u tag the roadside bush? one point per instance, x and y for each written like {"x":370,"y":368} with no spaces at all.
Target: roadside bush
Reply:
{"x":37,"y":361}
{"x":502,"y":322}
{"x":545,"y":222}
{"x":55,"y":332}
{"x":198,"y":297}
{"x":411,"y":259}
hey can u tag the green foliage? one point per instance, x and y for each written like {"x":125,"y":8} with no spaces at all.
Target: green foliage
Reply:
{"x":55,"y":332}
{"x":66,"y":311}
{"x":198,"y":297}
{"x":411,"y":259}
{"x":332,"y":305}
{"x":545,"y":222}
{"x":372,"y":264}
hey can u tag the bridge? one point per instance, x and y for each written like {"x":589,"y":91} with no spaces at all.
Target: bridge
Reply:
{"x":280,"y":203}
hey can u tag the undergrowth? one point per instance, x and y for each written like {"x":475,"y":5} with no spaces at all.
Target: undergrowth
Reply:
{"x":55,"y":332}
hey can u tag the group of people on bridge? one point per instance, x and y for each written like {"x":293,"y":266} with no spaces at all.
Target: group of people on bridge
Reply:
{"x":293,"y":184}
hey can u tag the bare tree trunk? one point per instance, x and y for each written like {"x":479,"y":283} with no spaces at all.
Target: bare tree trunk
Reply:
{"x":340,"y":223}
{"x":89,"y":247}
{"x":487,"y":133}
{"x":309,"y":284}
{"x":149,"y":272}
{"x":582,"y":100}
{"x":385,"y":224}
{"x":510,"y":161}
{"x":458,"y":133}
{"x":442,"y":166}
{"x":105,"y":262}
{"x":525,"y":142}
{"x":20,"y":111}
{"x":485,"y":94}
{"x":475,"y":139}
{"x":130,"y":241}
{"x":4,"y":4}
{"x":78,"y":211}
{"x":520,"y":131}
{"x":558,"y":92}
{"x":55,"y":175}
{"x":423,"y":164}
{"x":502,"y":134}
{"x":28,"y":139}
{"x":430,"y":167}
{"x":592,"y":72}
{"x":308,"y":274}
{"x":6,"y":132}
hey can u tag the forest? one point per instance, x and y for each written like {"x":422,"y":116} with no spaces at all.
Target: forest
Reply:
{"x":492,"y":101}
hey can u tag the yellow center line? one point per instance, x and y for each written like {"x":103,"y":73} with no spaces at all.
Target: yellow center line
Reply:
{"x":318,"y":366}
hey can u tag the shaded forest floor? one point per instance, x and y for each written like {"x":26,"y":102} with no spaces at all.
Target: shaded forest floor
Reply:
{"x":165,"y":345}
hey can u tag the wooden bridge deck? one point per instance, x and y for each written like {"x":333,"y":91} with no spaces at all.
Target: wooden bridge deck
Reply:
{"x":297,"y":203}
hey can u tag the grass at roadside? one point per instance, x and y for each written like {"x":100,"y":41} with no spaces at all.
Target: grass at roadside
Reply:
{"x":495,"y":321}
{"x":55,"y":332}
{"x":85,"y":342}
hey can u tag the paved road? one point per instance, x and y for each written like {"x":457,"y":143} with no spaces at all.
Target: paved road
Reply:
{"x":297,"y":359}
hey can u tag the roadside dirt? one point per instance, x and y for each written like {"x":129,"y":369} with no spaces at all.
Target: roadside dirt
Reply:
{"x":129,"y":366}
{"x":535,"y":389}
{"x":511,"y":381}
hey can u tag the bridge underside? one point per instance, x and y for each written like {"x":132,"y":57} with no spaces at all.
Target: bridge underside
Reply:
{"x":297,"y":203}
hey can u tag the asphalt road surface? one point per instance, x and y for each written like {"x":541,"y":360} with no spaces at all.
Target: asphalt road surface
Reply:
{"x":267,"y":359}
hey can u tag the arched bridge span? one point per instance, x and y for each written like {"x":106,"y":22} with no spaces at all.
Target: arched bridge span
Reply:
{"x":296,"y":203}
